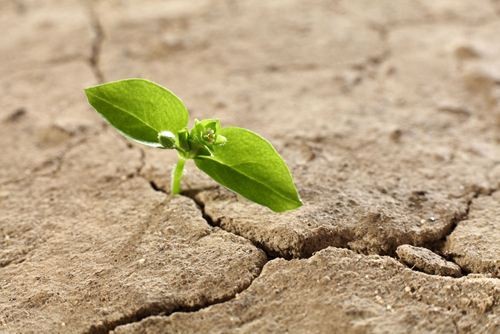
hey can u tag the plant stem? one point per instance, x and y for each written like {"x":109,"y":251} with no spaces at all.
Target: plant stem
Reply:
{"x":177,"y":176}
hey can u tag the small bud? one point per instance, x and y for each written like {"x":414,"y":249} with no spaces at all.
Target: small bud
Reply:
{"x":209,"y":136}
{"x":220,"y":140}
{"x":166,"y":139}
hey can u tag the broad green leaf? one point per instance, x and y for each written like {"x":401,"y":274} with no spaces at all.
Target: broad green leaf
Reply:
{"x":138,"y":108}
{"x":249,"y":165}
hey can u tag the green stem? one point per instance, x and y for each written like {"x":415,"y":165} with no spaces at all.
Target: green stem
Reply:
{"x":177,"y":176}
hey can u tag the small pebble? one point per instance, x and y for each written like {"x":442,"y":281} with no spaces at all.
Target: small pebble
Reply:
{"x":427,"y":261}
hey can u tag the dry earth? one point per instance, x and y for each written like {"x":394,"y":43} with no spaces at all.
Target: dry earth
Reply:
{"x":388,"y":113}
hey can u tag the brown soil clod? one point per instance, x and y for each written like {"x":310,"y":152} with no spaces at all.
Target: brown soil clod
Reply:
{"x":427,"y":261}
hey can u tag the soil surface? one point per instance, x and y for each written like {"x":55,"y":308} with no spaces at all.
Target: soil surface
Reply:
{"x":387,"y":112}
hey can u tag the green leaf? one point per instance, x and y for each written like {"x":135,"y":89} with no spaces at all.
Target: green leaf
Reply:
{"x":139,"y":109}
{"x":249,"y":165}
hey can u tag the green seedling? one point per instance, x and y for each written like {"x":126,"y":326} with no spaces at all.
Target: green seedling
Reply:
{"x":237,"y":158}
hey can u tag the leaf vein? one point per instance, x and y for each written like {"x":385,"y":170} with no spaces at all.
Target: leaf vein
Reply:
{"x":279,"y":194}
{"x":123,"y":110}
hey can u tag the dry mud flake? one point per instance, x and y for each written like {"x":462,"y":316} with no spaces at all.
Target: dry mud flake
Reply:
{"x":93,"y":246}
{"x":339,"y":291}
{"x":475,"y":243}
{"x":427,"y":261}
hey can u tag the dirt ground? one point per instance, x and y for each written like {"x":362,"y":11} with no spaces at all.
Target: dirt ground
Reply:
{"x":388,"y":113}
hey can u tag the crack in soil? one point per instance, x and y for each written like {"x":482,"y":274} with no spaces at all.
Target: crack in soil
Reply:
{"x":159,"y":309}
{"x":6,"y":263}
{"x":154,"y":186}
{"x":93,"y":61}
{"x":97,"y":41}
{"x":437,"y":246}
{"x":216,"y":223}
{"x":162,"y":309}
{"x":434,"y":246}
{"x":142,"y":162}
{"x":57,"y":161}
{"x":191,"y":194}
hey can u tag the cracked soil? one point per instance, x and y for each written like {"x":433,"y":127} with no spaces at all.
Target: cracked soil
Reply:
{"x":387,"y":112}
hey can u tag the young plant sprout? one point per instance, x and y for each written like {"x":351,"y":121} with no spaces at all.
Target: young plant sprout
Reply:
{"x":237,"y":158}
